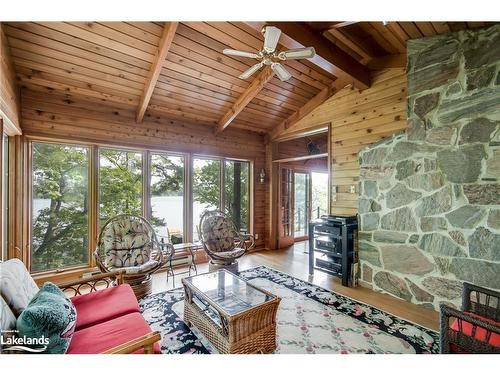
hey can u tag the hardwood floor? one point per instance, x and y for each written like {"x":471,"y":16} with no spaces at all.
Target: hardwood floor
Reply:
{"x":293,"y":261}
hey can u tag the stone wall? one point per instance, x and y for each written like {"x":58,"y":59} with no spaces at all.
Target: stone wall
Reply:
{"x":430,"y":197}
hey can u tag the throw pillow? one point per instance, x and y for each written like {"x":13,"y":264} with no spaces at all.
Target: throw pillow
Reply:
{"x":49,"y":314}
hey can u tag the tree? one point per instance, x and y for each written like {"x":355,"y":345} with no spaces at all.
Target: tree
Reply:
{"x":60,"y":230}
{"x":120,"y":183}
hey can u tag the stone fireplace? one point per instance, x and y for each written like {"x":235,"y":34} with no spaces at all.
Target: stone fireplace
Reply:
{"x":430,"y":197}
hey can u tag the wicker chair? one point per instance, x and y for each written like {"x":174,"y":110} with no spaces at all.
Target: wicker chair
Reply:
{"x":475,"y":329}
{"x":128,"y":243}
{"x":221,"y":241}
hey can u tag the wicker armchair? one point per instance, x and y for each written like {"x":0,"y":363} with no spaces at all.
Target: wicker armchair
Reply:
{"x":128,"y":243}
{"x":221,"y":241}
{"x":475,"y":329}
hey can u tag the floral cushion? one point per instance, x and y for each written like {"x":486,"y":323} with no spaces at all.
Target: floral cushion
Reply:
{"x":218,"y":234}
{"x":16,"y":285}
{"x":126,"y":242}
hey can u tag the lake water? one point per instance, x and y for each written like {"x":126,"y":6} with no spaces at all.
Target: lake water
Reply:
{"x":168,"y":208}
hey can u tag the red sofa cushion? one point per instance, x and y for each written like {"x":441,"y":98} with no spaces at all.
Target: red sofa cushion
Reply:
{"x":480,"y":334}
{"x":101,"y":337}
{"x":103,"y":305}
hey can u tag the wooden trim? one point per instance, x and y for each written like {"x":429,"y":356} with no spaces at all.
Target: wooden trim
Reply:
{"x":340,"y":62}
{"x":246,"y":97}
{"x":163,"y":48}
{"x":145,"y":342}
{"x":307,"y":108}
{"x":298,"y":158}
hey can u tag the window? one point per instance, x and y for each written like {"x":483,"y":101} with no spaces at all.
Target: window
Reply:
{"x":206,"y":189}
{"x":68,"y":206}
{"x":5,"y":194}
{"x":60,"y":222}
{"x":167,"y":195}
{"x":237,"y":193}
{"x":120,"y":183}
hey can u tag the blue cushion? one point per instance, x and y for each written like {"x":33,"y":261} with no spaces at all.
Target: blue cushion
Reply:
{"x":49,"y":314}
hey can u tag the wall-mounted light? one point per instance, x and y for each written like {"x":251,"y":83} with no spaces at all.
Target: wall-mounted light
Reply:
{"x":262,"y":176}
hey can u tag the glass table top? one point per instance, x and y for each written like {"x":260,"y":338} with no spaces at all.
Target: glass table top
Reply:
{"x":229,"y":292}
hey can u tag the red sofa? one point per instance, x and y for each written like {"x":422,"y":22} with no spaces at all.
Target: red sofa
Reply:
{"x":108,"y":316}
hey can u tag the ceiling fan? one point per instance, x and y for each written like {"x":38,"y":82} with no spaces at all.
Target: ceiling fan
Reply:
{"x":269,"y":56}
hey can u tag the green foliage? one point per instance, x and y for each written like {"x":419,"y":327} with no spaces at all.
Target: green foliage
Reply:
{"x":60,"y":230}
{"x":206,"y":182}
{"x":120,"y":183}
{"x":60,"y":186}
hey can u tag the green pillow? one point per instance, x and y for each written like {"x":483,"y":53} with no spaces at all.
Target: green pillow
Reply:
{"x":49,"y":314}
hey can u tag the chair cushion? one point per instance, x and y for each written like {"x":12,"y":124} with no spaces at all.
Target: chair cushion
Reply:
{"x":218,"y":233}
{"x":103,"y":305}
{"x":143,"y":268}
{"x":16,"y":285}
{"x":49,"y":314}
{"x":480,"y":332}
{"x":126,"y":241}
{"x":107,"y":335}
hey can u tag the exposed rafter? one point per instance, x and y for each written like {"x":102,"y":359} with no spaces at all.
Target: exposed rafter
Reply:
{"x":387,"y":62}
{"x":165,"y":42}
{"x":328,"y":56}
{"x":340,"y":25}
{"x":246,"y":97}
{"x":307,"y":108}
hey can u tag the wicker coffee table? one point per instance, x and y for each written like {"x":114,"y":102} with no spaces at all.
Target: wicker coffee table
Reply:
{"x":235,"y":316}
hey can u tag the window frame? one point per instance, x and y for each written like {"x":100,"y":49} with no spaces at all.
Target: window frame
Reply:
{"x":90,"y":260}
{"x":93,"y":180}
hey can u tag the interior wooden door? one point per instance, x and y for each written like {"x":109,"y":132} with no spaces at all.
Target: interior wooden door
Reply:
{"x":286,"y":209}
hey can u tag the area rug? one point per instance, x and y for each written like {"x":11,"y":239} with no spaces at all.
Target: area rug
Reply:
{"x":310,"y":319}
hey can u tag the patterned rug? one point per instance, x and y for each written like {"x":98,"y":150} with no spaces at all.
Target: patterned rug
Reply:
{"x":310,"y":319}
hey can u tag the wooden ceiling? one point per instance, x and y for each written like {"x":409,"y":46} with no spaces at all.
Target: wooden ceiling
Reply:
{"x":177,"y":70}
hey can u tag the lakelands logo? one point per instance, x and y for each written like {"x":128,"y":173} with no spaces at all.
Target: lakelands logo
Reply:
{"x":10,"y":341}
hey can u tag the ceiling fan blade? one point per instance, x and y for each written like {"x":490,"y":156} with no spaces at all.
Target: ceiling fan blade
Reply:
{"x":281,"y":72}
{"x":233,"y":52}
{"x":271,"y":37}
{"x":298,"y":53}
{"x":247,"y":73}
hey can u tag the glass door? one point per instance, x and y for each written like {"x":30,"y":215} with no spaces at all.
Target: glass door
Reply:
{"x":285,"y":224}
{"x":301,"y":204}
{"x":319,"y":194}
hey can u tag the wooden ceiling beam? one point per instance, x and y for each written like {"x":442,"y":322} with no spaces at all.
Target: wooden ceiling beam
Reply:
{"x":340,"y":25}
{"x":328,"y":56}
{"x":307,"y":108}
{"x":246,"y":97}
{"x":163,"y":48}
{"x":387,"y":62}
